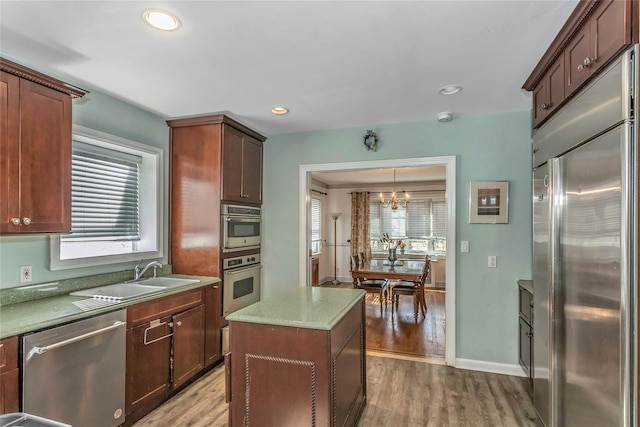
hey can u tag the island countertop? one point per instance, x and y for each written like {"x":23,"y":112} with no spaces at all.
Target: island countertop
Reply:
{"x":303,"y":307}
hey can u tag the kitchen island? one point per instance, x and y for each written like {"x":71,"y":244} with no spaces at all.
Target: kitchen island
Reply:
{"x":298,"y":359}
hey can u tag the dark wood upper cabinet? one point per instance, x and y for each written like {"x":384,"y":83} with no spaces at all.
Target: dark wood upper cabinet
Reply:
{"x":596,"y":32}
{"x":241,"y":168}
{"x":35,"y":148}
{"x":214,"y":160}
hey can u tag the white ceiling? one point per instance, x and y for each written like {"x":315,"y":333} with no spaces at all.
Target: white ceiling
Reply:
{"x":334,"y":64}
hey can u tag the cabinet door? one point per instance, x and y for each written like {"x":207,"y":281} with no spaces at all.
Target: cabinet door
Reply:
{"x":45,"y":159}
{"x":241,"y":167}
{"x":232,"y":164}
{"x":188,"y":344}
{"x":9,"y":152}
{"x":576,"y":53}
{"x":9,"y":394}
{"x":610,"y":30}
{"x":9,"y":372}
{"x":540,"y":101}
{"x":251,"y":170}
{"x":556,"y":85}
{"x":213,"y":317}
{"x":148,"y":363}
{"x":525,"y":346}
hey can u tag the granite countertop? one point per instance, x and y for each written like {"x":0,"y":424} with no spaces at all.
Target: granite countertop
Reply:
{"x":29,"y":316}
{"x":526,"y":284}
{"x":303,"y":307}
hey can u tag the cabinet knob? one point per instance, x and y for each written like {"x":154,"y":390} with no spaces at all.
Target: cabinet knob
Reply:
{"x":545,"y":106}
{"x":179,"y":323}
{"x":215,"y":286}
{"x":586,"y":63}
{"x":245,"y":196}
{"x":26,"y":221}
{"x":15,"y":221}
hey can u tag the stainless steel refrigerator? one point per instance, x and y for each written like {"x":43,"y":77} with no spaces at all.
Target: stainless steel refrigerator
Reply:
{"x":584,"y":255}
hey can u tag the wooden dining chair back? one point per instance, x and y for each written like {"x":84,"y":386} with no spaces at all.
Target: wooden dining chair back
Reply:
{"x":414,"y":289}
{"x":378,"y":286}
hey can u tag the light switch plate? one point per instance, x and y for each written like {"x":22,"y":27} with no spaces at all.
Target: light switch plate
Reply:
{"x":492,"y":261}
{"x":464,"y":246}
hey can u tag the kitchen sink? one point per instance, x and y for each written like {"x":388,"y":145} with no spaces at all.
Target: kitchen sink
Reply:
{"x":128,"y":290}
{"x":119,"y":291}
{"x":165,"y":282}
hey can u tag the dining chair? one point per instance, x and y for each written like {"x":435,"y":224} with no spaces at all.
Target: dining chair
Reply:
{"x":415,"y":289}
{"x":378,"y":286}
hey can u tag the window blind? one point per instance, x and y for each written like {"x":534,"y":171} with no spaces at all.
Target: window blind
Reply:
{"x":439,"y":219}
{"x":419,"y":219}
{"x":316,"y":222}
{"x":104,"y":194}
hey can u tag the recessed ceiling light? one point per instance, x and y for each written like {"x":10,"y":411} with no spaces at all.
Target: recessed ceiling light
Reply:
{"x":450,"y":89}
{"x":161,"y":20}
{"x":279,"y":110}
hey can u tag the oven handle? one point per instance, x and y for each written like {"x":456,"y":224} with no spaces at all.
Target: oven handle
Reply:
{"x":242,"y":270}
{"x":230,"y":218}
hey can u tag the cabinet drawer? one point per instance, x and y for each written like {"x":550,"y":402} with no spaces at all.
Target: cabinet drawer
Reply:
{"x":147,"y":311}
{"x":526,"y":305}
{"x":8,"y":354}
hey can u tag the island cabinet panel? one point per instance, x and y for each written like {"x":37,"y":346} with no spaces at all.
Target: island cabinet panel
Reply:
{"x":290,"y":376}
{"x":35,"y":148}
{"x":9,"y":374}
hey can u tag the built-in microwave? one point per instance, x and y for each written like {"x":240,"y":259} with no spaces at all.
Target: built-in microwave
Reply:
{"x":240,"y":228}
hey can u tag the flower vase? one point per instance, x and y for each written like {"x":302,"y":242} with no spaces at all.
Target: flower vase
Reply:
{"x":392,"y":256}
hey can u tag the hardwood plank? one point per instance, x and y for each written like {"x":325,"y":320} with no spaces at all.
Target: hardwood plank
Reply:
{"x":400,"y":393}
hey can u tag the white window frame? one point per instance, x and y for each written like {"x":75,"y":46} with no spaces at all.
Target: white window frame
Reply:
{"x":151,"y":202}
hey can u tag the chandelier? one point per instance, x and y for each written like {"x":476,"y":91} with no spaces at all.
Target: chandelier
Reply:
{"x":393,"y":201}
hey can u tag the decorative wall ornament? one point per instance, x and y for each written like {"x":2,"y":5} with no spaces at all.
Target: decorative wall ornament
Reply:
{"x":489,"y":202}
{"x":370,"y":140}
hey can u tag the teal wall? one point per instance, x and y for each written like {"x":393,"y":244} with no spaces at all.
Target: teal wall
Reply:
{"x":487,"y":148}
{"x":106,"y":114}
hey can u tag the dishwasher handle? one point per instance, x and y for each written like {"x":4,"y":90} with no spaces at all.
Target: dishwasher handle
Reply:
{"x":42,"y":350}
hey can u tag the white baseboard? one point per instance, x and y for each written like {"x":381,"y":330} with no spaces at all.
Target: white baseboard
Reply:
{"x":492,"y":367}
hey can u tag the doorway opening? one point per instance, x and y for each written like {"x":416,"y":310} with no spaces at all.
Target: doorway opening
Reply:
{"x":449,"y":163}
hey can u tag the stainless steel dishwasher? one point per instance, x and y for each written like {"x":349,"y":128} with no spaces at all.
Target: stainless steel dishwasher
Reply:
{"x":75,"y":373}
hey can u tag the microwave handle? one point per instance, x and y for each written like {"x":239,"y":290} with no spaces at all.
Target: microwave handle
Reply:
{"x":242,"y":219}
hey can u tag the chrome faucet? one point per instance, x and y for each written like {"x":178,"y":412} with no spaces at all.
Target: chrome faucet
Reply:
{"x":138,"y":272}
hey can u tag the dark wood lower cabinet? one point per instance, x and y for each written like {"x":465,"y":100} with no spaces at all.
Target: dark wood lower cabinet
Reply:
{"x":188,"y":344}
{"x":9,"y":376}
{"x":289,"y":376}
{"x":213,"y":323}
{"x":165,"y":349}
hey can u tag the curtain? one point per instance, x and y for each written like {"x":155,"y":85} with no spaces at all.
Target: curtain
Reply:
{"x":360,"y":224}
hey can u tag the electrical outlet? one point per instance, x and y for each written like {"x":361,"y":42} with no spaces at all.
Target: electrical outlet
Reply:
{"x":25,"y":274}
{"x":492,"y":262}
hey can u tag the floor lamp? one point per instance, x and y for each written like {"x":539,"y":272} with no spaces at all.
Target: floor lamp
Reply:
{"x":335,"y":217}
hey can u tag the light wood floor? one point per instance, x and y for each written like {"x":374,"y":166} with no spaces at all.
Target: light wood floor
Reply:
{"x":400,"y":393}
{"x":397,"y":331}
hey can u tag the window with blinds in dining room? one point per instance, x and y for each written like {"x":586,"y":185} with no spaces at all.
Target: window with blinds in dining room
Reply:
{"x":316,"y":225}
{"x":421,"y":225}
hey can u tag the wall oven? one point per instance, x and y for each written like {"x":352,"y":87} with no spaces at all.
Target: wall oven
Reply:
{"x":241,"y":282}
{"x":240,"y":228}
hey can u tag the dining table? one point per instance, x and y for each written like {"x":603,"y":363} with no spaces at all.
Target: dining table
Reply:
{"x":406,"y":270}
{"x":409,"y":270}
